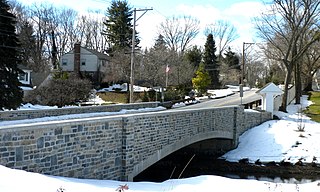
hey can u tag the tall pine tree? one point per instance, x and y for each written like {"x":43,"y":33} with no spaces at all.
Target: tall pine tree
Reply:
{"x":119,"y":25}
{"x":210,"y":62}
{"x":194,"y":56}
{"x":28,"y":45}
{"x":232,"y":60}
{"x":10,"y":93}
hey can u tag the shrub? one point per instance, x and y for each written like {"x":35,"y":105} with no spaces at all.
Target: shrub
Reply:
{"x":61,"y":92}
{"x":172,"y":94}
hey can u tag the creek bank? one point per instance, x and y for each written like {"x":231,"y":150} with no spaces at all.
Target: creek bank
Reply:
{"x":310,"y":171}
{"x":178,"y":167}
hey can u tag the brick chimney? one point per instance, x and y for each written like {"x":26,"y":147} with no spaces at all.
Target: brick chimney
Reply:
{"x":76,"y":69}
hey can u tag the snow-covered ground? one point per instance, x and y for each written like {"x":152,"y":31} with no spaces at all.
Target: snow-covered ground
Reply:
{"x":281,"y":140}
{"x":123,"y":88}
{"x":274,"y":140}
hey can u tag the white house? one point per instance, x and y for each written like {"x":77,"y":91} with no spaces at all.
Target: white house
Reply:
{"x":25,"y":77}
{"x":84,"y":61}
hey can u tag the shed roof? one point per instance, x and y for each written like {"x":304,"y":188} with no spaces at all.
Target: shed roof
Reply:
{"x":270,"y":88}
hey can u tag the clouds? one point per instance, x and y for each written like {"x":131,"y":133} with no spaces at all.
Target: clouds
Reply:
{"x":207,"y":12}
{"x":239,"y":14}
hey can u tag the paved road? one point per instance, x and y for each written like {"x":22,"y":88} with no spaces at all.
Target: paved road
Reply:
{"x":249,"y":96}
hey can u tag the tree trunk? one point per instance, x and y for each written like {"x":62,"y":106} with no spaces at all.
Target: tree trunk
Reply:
{"x":298,"y":85}
{"x":283,"y":106}
{"x":308,"y":86}
{"x":309,"y":80}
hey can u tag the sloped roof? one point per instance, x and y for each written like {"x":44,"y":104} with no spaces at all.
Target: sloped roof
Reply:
{"x":101,"y":56}
{"x":270,"y":88}
{"x":23,"y":67}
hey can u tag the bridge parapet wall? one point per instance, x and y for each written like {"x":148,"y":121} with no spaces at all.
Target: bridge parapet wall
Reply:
{"x":31,"y":114}
{"x":82,"y":149}
{"x":253,"y":118}
{"x":113,"y":147}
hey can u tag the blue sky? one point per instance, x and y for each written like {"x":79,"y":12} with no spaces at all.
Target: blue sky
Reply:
{"x":237,"y":12}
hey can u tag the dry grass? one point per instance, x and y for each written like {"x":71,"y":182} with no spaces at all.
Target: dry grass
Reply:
{"x":119,"y":97}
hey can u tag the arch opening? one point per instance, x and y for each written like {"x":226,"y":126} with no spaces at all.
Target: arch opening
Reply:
{"x":199,"y":154}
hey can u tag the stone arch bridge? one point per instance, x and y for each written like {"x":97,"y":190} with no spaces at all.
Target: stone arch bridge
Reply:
{"x":117,"y":147}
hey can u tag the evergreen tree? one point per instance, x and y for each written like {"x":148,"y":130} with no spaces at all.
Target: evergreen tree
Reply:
{"x":232,"y":60}
{"x":27,"y":41}
{"x":202,"y":79}
{"x":119,"y":25}
{"x":210,"y":62}
{"x":10,"y":93}
{"x":194,"y":56}
{"x":160,"y":43}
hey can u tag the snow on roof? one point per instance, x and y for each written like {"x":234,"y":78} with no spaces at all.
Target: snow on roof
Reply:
{"x":270,"y":88}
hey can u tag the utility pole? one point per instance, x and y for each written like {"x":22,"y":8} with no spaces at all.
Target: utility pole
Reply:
{"x":132,"y":50}
{"x":244,"y":48}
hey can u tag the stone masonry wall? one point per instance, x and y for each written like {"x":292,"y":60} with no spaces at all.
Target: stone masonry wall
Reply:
{"x":109,"y":147}
{"x":81,"y":149}
{"x":253,"y":119}
{"x":148,"y":134}
{"x":30,"y":114}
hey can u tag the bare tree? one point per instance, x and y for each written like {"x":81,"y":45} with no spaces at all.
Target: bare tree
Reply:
{"x":224,"y":33}
{"x":154,"y":64}
{"x":41,"y":18}
{"x":65,"y":29}
{"x":311,"y":64}
{"x":178,"y":32}
{"x":282,"y":28}
{"x":89,"y":32}
{"x":119,"y":67}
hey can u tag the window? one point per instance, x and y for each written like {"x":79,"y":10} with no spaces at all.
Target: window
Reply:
{"x":23,"y":76}
{"x":83,"y":62}
{"x":64,"y":61}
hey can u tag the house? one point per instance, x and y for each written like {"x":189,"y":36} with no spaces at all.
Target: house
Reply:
{"x":86,"y":62}
{"x":25,"y":77}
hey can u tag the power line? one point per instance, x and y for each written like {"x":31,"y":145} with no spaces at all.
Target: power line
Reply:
{"x":161,"y":13}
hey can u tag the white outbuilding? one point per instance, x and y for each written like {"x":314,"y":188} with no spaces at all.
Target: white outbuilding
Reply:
{"x":268,"y":93}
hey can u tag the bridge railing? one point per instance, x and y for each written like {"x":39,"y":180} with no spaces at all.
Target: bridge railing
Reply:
{"x":31,"y":114}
